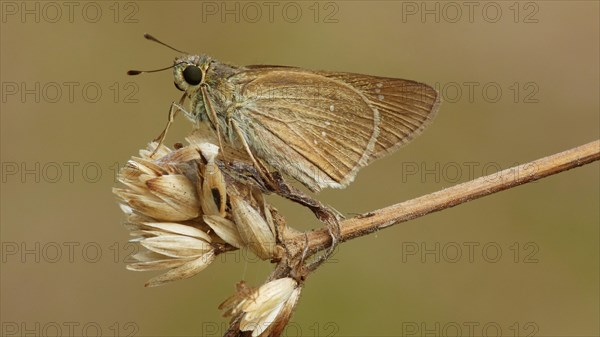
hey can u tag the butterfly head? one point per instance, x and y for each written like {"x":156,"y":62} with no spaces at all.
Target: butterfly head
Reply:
{"x":190,"y":72}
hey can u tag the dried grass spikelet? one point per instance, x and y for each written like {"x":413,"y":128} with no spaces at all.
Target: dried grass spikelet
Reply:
{"x":264,"y":311}
{"x":159,"y":190}
{"x":184,"y":249}
{"x":214,"y":196}
{"x":181,"y":210}
{"x":254,"y":223}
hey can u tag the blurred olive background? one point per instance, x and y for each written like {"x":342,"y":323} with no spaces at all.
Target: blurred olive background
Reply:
{"x":520,"y":81}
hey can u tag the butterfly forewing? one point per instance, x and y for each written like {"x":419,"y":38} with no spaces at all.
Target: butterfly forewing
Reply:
{"x":322,"y":127}
{"x":329,"y":124}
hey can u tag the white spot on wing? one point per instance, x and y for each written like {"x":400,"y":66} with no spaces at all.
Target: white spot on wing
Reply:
{"x":327,"y":124}
{"x":323,"y":133}
{"x":331,"y":108}
{"x":315,"y":141}
{"x":379,"y":85}
{"x":380,"y":97}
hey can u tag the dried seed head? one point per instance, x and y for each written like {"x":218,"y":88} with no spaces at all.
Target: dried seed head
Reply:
{"x":177,"y":209}
{"x":185,"y":250}
{"x":265,"y":311}
{"x":225,"y":229}
{"x":233,"y":305}
{"x":161,"y":192}
{"x":254,"y":230}
{"x":214,"y":197}
{"x":178,"y":192}
{"x":156,"y":194}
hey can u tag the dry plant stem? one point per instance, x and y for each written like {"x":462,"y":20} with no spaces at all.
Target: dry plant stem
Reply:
{"x":449,"y":197}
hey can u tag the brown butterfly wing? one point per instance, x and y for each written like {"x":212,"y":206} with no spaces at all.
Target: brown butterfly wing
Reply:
{"x":321,"y":127}
{"x":405,"y":107}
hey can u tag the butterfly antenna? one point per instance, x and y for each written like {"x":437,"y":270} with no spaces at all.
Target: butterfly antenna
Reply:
{"x":137,"y":72}
{"x":152,"y":38}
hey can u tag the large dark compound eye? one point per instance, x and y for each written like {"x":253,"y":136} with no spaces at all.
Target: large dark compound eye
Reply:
{"x":192,"y":75}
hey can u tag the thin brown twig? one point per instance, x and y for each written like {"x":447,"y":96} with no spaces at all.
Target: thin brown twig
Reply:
{"x":373,"y":221}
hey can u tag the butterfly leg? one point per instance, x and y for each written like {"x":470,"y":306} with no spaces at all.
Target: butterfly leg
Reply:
{"x":212,"y":115}
{"x":173,"y":110}
{"x":260,"y":168}
{"x":335,"y":234}
{"x":324,"y":213}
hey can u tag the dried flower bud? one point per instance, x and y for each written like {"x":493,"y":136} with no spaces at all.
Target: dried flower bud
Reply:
{"x":254,"y":230}
{"x":214,"y":197}
{"x":265,"y":311}
{"x":225,"y":229}
{"x":178,"y":192}
{"x":158,"y":192}
{"x":182,"y":155}
{"x":233,"y":305}
{"x":185,"y":249}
